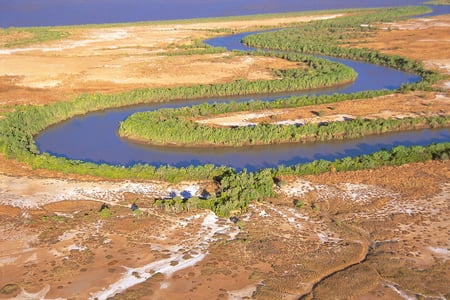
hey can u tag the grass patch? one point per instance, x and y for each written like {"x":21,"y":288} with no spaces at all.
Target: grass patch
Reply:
{"x":10,"y":289}
{"x":353,"y":282}
{"x":438,"y":2}
{"x":19,"y":37}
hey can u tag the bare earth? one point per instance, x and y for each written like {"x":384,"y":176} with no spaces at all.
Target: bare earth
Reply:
{"x":364,"y":235}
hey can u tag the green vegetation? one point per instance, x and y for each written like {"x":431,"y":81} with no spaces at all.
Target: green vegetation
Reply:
{"x":105,"y":213}
{"x":178,"y":127}
{"x":197,"y":47}
{"x":237,"y":190}
{"x":397,"y":156}
{"x":332,"y":36}
{"x":10,"y":289}
{"x":18,"y":128}
{"x":438,"y":2}
{"x":138,"y":213}
{"x":25,"y":36}
{"x":299,"y":204}
{"x":321,"y":37}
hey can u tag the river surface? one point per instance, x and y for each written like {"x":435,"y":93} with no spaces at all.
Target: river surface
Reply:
{"x":20,"y":13}
{"x":94,"y":138}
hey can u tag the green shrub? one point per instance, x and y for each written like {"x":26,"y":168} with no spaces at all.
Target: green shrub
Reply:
{"x":105,"y":213}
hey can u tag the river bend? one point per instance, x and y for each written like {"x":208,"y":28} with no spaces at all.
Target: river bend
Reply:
{"x":93,"y":137}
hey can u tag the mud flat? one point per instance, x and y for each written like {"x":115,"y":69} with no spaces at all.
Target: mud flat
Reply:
{"x":386,"y":229}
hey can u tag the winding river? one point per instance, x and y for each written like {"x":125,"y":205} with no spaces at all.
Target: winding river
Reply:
{"x":93,"y":137}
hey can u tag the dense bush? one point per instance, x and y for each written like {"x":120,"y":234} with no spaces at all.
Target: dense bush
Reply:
{"x":397,"y":156}
{"x":178,"y":127}
{"x":237,"y":190}
{"x":331,"y":37}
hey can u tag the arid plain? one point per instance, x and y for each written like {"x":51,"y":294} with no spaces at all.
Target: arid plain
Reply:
{"x":374,"y":234}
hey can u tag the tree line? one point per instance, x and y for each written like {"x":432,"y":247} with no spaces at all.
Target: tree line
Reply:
{"x":180,"y":127}
{"x":237,"y":190}
{"x":332,"y":37}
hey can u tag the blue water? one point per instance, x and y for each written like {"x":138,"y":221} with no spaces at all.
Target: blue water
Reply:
{"x":93,"y":137}
{"x":437,"y":11}
{"x":20,"y":13}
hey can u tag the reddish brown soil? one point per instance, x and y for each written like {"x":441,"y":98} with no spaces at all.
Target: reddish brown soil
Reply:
{"x":390,"y":223}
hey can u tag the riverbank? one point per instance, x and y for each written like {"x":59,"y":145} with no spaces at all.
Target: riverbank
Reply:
{"x":56,"y":245}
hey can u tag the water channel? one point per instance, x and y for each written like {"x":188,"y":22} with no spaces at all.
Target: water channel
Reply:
{"x":93,"y":137}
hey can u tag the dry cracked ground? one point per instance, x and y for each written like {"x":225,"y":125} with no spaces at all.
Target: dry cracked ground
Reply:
{"x":374,"y":234}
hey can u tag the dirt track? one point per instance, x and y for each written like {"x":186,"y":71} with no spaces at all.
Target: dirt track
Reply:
{"x":55,"y":244}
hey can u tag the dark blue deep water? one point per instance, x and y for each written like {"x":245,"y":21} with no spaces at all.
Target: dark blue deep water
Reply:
{"x":19,"y":13}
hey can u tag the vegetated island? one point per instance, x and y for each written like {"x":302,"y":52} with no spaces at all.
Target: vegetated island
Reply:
{"x":206,"y":125}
